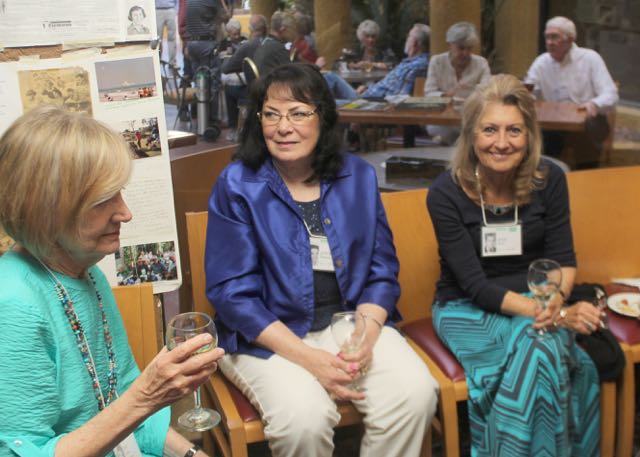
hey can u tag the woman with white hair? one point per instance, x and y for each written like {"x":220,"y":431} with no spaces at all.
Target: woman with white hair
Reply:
{"x":455,"y":73}
{"x":371,"y":56}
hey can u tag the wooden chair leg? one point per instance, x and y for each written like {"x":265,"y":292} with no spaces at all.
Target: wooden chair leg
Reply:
{"x":427,"y":443}
{"x":449,"y":420}
{"x":626,"y":406}
{"x":607,"y":418}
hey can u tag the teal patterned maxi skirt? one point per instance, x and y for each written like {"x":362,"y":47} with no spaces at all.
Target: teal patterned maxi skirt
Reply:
{"x":528,"y":396}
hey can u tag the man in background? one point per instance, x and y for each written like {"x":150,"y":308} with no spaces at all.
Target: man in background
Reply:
{"x":567,"y":72}
{"x":402,"y":78}
{"x":166,"y":17}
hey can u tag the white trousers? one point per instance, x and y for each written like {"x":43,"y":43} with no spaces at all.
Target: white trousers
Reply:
{"x":299,"y":415}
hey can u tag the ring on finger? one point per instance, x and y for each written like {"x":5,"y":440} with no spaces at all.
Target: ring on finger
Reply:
{"x":589,"y":325}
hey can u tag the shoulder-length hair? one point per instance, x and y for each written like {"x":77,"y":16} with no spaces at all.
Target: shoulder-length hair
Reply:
{"x":54,"y":167}
{"x":305,"y":84}
{"x":508,"y":90}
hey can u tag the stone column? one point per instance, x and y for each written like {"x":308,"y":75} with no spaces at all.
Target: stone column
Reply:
{"x":332,"y":27}
{"x":517,"y":31}
{"x":444,"y":13}
{"x":264,"y":7}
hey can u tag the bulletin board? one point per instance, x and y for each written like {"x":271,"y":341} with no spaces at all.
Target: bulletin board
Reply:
{"x":114,"y":76}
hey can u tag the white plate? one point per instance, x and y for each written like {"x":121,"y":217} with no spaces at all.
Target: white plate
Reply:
{"x":626,"y":303}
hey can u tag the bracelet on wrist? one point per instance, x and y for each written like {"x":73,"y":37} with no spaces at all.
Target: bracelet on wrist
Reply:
{"x":563,"y":295}
{"x":368,"y":316}
{"x":193,"y":450}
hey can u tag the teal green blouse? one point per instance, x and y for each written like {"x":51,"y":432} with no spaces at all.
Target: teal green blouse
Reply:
{"x":45,"y":389}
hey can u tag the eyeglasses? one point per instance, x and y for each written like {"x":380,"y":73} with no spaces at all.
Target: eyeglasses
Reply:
{"x":295,"y":117}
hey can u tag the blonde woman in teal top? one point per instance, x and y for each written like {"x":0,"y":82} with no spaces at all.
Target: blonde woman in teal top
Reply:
{"x":70,"y":385}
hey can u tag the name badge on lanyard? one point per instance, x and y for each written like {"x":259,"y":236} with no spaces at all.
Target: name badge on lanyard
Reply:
{"x":128,"y":448}
{"x":321,"y":259}
{"x":501,"y":239}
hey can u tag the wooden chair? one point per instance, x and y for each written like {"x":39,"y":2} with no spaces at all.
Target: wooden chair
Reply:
{"x":417,"y":251}
{"x":142,"y":316}
{"x":250,"y":70}
{"x":241,"y":424}
{"x":605,"y":214}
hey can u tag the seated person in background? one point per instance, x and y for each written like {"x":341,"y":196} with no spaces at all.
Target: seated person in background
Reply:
{"x":303,"y":45}
{"x":570,"y":73}
{"x":529,"y":395}
{"x":455,"y":73}
{"x":291,"y":188}
{"x":259,"y":30}
{"x":233,"y":40}
{"x":70,"y":384}
{"x":272,"y":52}
{"x":371,"y":56}
{"x":401,"y":79}
{"x":235,"y":89}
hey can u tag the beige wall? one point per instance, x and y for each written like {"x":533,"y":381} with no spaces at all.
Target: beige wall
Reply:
{"x":333,"y":27}
{"x":444,"y":13}
{"x":264,"y":7}
{"x":516,"y":36}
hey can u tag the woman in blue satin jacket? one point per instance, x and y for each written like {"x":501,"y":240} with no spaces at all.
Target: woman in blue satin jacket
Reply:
{"x":296,"y":233}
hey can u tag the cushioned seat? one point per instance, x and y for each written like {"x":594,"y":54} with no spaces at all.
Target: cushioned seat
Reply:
{"x":424,"y":335}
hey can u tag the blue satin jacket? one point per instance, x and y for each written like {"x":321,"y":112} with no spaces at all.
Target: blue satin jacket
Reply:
{"x":258,"y":261}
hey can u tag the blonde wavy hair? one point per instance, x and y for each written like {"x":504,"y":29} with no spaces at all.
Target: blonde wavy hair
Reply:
{"x":54,"y":167}
{"x":508,"y":90}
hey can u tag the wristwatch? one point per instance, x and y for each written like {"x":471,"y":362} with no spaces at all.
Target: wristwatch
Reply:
{"x":192,"y":451}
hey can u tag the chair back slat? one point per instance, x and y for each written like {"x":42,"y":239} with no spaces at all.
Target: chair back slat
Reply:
{"x":417,"y":251}
{"x":605,"y":217}
{"x":196,"y":238}
{"x":142,"y":316}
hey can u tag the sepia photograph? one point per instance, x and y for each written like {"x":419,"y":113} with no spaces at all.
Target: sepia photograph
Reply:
{"x":65,"y":87}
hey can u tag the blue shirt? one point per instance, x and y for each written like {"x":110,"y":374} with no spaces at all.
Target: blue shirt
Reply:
{"x":401,"y":79}
{"x":257,"y":257}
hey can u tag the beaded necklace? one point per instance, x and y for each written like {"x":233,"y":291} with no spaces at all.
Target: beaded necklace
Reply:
{"x":82,"y":343}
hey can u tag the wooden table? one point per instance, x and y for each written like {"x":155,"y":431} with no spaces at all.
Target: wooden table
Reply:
{"x":378,"y":160}
{"x":551,"y":116}
{"x":361,"y":77}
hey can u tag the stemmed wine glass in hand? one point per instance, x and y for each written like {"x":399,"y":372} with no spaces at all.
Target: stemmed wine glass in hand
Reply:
{"x":544,"y":279}
{"x":348,"y":330}
{"x":181,"y":328}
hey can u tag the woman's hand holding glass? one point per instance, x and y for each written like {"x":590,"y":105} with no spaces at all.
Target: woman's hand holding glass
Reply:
{"x":544,"y":279}
{"x":183,"y":328}
{"x":172,"y":375}
{"x":333,"y":374}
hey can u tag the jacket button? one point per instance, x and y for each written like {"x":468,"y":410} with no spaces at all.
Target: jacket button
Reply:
{"x":338,"y":263}
{"x":18,"y":443}
{"x":327,"y":221}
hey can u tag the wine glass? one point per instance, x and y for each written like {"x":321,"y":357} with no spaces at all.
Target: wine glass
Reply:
{"x":180,"y":329}
{"x":544,"y":279}
{"x":348,"y":330}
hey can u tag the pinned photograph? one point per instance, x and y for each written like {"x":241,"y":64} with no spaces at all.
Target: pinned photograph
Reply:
{"x":137,"y":19}
{"x":125,"y":80}
{"x":142,"y":135}
{"x":146,"y":263}
{"x":65,"y":87}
